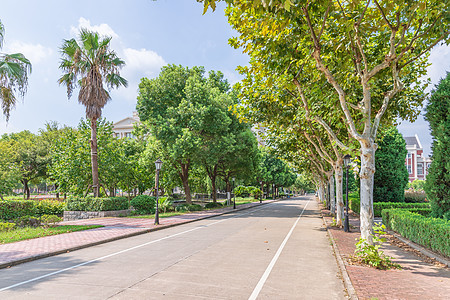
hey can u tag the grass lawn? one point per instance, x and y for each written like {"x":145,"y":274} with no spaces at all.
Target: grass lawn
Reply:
{"x":27,"y":233}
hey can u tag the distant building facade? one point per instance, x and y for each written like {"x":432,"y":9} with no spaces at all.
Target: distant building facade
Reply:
{"x":416,"y":163}
{"x":124,"y":127}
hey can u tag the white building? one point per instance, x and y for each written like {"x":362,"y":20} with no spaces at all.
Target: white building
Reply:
{"x":124,"y":128}
{"x":416,"y":162}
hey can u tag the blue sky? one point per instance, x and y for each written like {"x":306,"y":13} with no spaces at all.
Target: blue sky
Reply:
{"x":147,"y":35}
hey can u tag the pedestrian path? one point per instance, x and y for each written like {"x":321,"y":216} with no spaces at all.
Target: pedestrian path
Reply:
{"x":114,"y":228}
{"x":419,"y":278}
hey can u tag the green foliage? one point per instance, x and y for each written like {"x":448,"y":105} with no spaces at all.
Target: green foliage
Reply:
{"x":28,"y":221}
{"x":432,"y":233}
{"x":416,"y":185}
{"x":391,"y":175}
{"x":144,"y":204}
{"x":89,"y":203}
{"x":50,"y":207}
{"x":379,"y":206}
{"x":371,"y":254}
{"x":7,"y":226}
{"x":10,"y":210}
{"x":255,"y":192}
{"x":50,"y":220}
{"x":9,"y":167}
{"x":241,"y":191}
{"x":415,"y":196}
{"x":165,"y":205}
{"x":213,"y":205}
{"x":354,"y":202}
{"x":438,"y":178}
{"x":188,"y":207}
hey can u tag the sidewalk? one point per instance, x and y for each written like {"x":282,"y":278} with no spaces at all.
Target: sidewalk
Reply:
{"x":420,"y":278}
{"x":114,"y":229}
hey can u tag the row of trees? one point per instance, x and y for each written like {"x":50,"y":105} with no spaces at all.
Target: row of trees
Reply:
{"x":324,"y":75}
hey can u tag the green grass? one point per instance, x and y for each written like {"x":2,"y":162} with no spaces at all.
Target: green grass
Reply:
{"x":27,"y":233}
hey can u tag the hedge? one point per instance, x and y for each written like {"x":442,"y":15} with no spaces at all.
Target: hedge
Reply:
{"x":432,"y":233}
{"x":379,"y":206}
{"x":96,"y":204}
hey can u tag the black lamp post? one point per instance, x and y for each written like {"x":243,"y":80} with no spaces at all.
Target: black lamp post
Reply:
{"x":234,"y":195}
{"x":346,"y":165}
{"x":262,"y":192}
{"x":158,"y":164}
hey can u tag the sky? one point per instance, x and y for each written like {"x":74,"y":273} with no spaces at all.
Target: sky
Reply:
{"x":147,"y":35}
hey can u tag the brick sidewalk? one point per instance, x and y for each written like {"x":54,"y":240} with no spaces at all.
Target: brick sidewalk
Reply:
{"x":114,"y":228}
{"x":417,"y":280}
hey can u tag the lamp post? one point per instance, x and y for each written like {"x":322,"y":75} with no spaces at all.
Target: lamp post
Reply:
{"x":262,"y":192}
{"x":346,"y":165}
{"x":234,"y":195}
{"x":158,"y":164}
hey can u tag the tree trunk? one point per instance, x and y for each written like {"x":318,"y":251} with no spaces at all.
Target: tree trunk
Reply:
{"x":339,"y":195}
{"x":368,"y":149}
{"x":212,"y":174}
{"x":1,"y":197}
{"x":262,"y":189}
{"x":184,"y":174}
{"x":94,"y":157}
{"x":332,"y":196}
{"x":26,"y":189}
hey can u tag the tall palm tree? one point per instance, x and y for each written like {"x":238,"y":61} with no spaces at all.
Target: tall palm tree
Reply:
{"x":14,"y":70}
{"x":87,"y":65}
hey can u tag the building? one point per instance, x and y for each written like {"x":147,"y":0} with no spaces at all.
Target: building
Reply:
{"x":124,"y":128}
{"x":416,"y":163}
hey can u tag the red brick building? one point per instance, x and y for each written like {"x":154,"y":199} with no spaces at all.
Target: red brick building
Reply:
{"x":416,"y":162}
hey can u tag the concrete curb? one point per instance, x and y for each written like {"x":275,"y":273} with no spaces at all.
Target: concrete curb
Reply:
{"x":143,"y":231}
{"x":347,"y":281}
{"x":421,"y":249}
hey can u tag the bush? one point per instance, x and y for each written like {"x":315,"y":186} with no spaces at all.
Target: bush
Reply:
{"x":213,"y":205}
{"x":7,"y":226}
{"x":255,"y":192}
{"x":379,"y":206}
{"x":354,"y":204}
{"x":144,"y":204}
{"x":50,"y":220}
{"x":96,"y":204}
{"x":415,"y":196}
{"x":164,"y":204}
{"x":28,"y":221}
{"x":10,"y":210}
{"x":50,"y":207}
{"x":432,"y":233}
{"x":194,"y":207}
{"x":417,"y":185}
{"x":241,"y":191}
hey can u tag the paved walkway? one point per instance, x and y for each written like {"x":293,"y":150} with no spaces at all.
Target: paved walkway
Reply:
{"x":418,"y":279}
{"x":114,"y":228}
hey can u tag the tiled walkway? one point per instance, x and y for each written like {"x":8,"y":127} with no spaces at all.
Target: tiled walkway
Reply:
{"x":114,"y":228}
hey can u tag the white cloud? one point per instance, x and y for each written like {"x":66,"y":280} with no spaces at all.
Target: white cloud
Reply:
{"x":440,"y":63}
{"x":142,"y":62}
{"x":102,"y":29}
{"x":34,"y":52}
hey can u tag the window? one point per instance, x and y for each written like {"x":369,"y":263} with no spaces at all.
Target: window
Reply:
{"x":409,"y":169}
{"x":129,"y":135}
{"x":419,"y":169}
{"x":409,"y":155}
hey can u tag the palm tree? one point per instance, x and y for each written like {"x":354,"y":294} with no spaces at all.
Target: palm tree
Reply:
{"x":14,"y":70}
{"x":88,"y":65}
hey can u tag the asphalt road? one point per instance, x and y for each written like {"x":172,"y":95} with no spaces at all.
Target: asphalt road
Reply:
{"x":276,"y":251}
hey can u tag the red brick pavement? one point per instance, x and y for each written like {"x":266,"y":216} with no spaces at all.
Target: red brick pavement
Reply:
{"x":417,"y":280}
{"x":115,"y":228}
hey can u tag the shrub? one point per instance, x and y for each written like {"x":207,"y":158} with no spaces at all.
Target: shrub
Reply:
{"x":164,"y":204}
{"x":7,"y":226}
{"x":379,"y":206}
{"x":50,"y":220}
{"x":354,"y":204}
{"x":432,"y":233}
{"x":417,"y":185}
{"x":255,"y":192}
{"x":194,"y":207}
{"x":241,"y":191}
{"x":10,"y":210}
{"x":213,"y":205}
{"x":181,"y":208}
{"x":144,"y":204}
{"x":415,"y":196}
{"x":50,"y":207}
{"x":28,"y":221}
{"x":96,"y":204}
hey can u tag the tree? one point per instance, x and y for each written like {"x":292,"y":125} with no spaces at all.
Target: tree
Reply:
{"x":14,"y":71}
{"x":88,"y":65}
{"x":371,"y":55}
{"x":9,"y":167}
{"x":438,"y":178}
{"x":391,"y":175}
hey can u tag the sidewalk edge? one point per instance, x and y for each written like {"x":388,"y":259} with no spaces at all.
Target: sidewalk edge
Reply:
{"x":347,"y":281}
{"x":45,"y":255}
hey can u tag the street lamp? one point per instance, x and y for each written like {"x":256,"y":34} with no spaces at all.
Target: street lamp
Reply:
{"x":158,"y":164}
{"x":234,"y":195}
{"x":346,"y":165}
{"x":262,"y":191}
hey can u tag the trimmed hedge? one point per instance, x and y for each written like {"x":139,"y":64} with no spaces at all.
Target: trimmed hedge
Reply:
{"x":96,"y":204}
{"x":431,"y":233}
{"x":11,"y":210}
{"x":379,"y":206}
{"x":213,"y":205}
{"x":144,"y":204}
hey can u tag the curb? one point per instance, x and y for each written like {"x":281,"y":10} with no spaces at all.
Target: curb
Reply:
{"x":347,"y":281}
{"x":45,"y":255}
{"x":421,"y":249}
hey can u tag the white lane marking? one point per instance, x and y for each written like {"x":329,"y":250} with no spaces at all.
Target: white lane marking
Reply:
{"x":129,"y":249}
{"x":266,"y":274}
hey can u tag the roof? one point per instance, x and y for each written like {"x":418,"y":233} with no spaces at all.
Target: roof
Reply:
{"x":413,"y":140}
